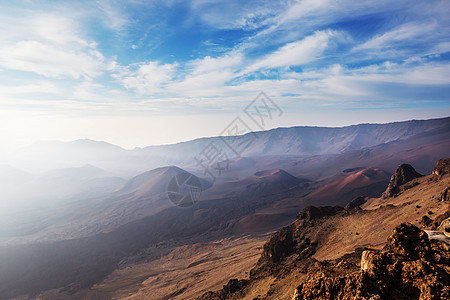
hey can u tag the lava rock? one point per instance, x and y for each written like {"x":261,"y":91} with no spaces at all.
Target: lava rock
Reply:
{"x":356,"y":203}
{"x":442,"y":168}
{"x":404,"y":174}
{"x":410,"y":266}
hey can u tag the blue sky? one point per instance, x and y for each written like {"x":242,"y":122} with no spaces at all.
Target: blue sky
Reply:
{"x":136,"y":73}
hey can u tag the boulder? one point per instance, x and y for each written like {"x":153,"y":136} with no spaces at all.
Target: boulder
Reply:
{"x":410,"y":266}
{"x":445,"y":227}
{"x":442,"y":168}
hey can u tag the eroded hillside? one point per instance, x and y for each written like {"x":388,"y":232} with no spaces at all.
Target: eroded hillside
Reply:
{"x":338,"y":236}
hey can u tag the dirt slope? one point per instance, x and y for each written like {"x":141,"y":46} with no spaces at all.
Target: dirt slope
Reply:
{"x":329,"y":233}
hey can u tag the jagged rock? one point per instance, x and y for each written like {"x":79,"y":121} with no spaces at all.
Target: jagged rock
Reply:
{"x":316,"y":212}
{"x":439,"y":219}
{"x":445,"y":195}
{"x":233,"y":287}
{"x":289,"y":240}
{"x":408,"y":267}
{"x":280,"y":245}
{"x":404,"y":173}
{"x":366,"y":260}
{"x":295,"y":295}
{"x":442,"y":168}
{"x":445,"y":227}
{"x":407,"y":240}
{"x":426,"y":221}
{"x":438,"y":235}
{"x":356,"y":203}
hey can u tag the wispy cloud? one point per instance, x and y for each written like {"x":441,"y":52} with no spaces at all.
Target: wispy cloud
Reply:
{"x":41,"y":87}
{"x":50,"y":45}
{"x":205,"y":56}
{"x":49,"y":61}
{"x":409,"y":32}
{"x":296,"y":53}
{"x":114,"y":17}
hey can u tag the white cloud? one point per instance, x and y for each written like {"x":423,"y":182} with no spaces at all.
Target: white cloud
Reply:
{"x":38,"y":87}
{"x":58,"y":44}
{"x":247,"y":15}
{"x":441,"y":48}
{"x":149,"y":78}
{"x":301,"y":9}
{"x":49,"y":44}
{"x":114,"y":17}
{"x":209,"y":64}
{"x":51,"y":61}
{"x":200,"y":78}
{"x":56,"y":29}
{"x":300,"y":17}
{"x":425,"y":74}
{"x":211,"y":84}
{"x":296,"y":53}
{"x":403,"y":33}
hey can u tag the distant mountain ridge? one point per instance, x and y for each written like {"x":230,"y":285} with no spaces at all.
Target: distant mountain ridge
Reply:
{"x":294,"y":141}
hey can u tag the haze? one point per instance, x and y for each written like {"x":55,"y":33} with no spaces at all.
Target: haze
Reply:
{"x":224,"y":149}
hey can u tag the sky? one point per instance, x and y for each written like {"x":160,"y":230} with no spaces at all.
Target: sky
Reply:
{"x":138,"y":73}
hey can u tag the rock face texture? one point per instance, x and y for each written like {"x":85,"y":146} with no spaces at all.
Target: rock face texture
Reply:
{"x":445,"y":227}
{"x":410,"y":266}
{"x":404,"y":174}
{"x":413,"y":264}
{"x":356,"y":203}
{"x":445,"y":195}
{"x":287,"y":247}
{"x":290,"y":239}
{"x":442,"y":168}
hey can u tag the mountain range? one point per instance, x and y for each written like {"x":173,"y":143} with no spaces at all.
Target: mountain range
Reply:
{"x":84,"y":210}
{"x":301,"y":141}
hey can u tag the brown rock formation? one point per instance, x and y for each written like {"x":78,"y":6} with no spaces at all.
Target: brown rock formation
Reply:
{"x":289,"y":246}
{"x":445,"y":227}
{"x":404,"y":174}
{"x":408,"y":267}
{"x":290,"y":239}
{"x":356,"y":203}
{"x":442,"y":168}
{"x":445,"y":195}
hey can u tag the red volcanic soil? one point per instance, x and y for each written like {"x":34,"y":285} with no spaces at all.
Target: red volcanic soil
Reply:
{"x":267,"y":181}
{"x":150,"y":183}
{"x":345,"y":186}
{"x":351,"y":181}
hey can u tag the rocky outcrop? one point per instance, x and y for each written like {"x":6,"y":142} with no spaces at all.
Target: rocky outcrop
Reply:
{"x":426,"y":221}
{"x":445,"y":195}
{"x":446,"y":215}
{"x":291,"y":239}
{"x":356,"y":203}
{"x":445,"y":227}
{"x":404,"y":174}
{"x":437,"y":235}
{"x":312,"y":213}
{"x":442,"y":168}
{"x":414,"y":264}
{"x":410,"y":266}
{"x":233,"y":287}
